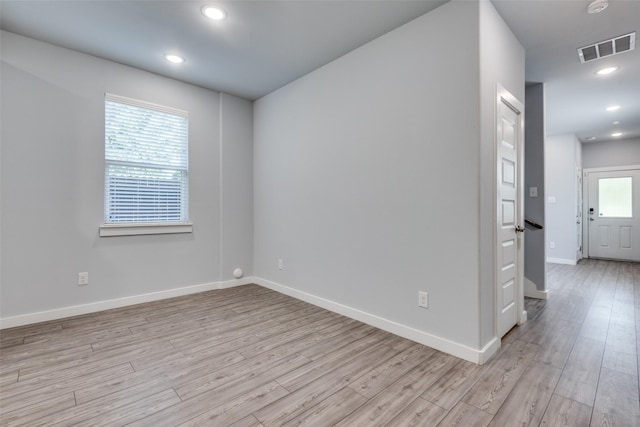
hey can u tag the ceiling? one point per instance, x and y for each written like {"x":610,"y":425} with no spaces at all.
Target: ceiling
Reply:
{"x":261,"y":46}
{"x":576,"y":98}
{"x":264,"y":44}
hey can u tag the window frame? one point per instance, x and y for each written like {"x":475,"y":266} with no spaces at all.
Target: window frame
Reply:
{"x":108,"y":229}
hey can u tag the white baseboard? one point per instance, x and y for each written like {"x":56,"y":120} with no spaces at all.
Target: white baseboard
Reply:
{"x":488,"y":351}
{"x":531,"y":290}
{"x":456,"y":349}
{"x":236,"y":282}
{"x":562,"y":261}
{"x":76,"y":310}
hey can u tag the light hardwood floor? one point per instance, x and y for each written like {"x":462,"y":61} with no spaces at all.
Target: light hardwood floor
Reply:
{"x":248,"y":356}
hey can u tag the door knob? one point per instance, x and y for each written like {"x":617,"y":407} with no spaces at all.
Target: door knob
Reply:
{"x":519,"y":229}
{"x":590,"y":219}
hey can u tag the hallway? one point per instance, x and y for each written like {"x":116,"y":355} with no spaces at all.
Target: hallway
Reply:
{"x":585,"y":343}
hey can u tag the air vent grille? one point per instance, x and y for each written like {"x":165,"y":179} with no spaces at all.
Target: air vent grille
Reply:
{"x":607,"y":48}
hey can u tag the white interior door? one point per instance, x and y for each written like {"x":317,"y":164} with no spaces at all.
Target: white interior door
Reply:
{"x":614,"y":214}
{"x":509,"y":216}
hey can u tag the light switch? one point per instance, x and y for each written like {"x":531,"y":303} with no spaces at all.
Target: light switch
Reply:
{"x":551,"y":199}
{"x":533,"y":191}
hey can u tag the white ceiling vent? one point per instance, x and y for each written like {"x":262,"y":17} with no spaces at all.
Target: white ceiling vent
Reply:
{"x":607,"y":48}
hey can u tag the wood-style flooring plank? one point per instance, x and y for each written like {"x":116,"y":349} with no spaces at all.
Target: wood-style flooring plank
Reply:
{"x":299,"y":401}
{"x":528,"y":400}
{"x":465,"y":415}
{"x":453,"y":385}
{"x":622,"y":362}
{"x":217,"y":394}
{"x":238,"y":408}
{"x":8,"y":377}
{"x":108,"y":412}
{"x":557,"y":346}
{"x":94,"y":360}
{"x":251,"y":357}
{"x":563,"y":412}
{"x":387,"y":373}
{"x":27,"y":415}
{"x":389,"y":403}
{"x":249,"y":421}
{"x":156,"y":378}
{"x":128,"y":413}
{"x":579,"y":379}
{"x":19,"y":396}
{"x":272,"y":365}
{"x":617,"y":400}
{"x":494,"y":386}
{"x":330,"y":410}
{"x":419,"y":413}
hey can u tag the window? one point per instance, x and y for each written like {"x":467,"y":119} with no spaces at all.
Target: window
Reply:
{"x":146,"y":168}
{"x":614,"y":197}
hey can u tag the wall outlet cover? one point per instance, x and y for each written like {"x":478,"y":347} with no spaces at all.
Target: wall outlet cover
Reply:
{"x":423,"y":299}
{"x":83,"y":278}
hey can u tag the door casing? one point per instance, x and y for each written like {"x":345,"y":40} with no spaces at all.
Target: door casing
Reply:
{"x":585,"y":206}
{"x":504,"y":96}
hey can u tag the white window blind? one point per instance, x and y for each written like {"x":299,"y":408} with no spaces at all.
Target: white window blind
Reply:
{"x":146,"y":163}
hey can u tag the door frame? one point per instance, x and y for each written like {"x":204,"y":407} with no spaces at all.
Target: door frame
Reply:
{"x":585,"y":200}
{"x":504,"y":96}
{"x":580,"y":177}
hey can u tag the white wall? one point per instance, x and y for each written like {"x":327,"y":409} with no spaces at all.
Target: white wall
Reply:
{"x":611,"y":153}
{"x":562,"y":157}
{"x":52,"y":183}
{"x":236,"y":145}
{"x":367,"y":177}
{"x":502,"y":61}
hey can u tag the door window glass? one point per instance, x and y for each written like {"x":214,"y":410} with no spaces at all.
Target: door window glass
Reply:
{"x":614,"y":197}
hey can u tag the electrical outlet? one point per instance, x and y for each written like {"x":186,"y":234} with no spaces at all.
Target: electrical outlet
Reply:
{"x":83,"y":278}
{"x":280,"y":264}
{"x":552,"y":245}
{"x":423,"y":299}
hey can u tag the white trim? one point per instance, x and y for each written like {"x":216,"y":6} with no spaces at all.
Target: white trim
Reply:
{"x":489,"y":350}
{"x":562,"y":261}
{"x":144,"y":104}
{"x":76,"y":310}
{"x":531,"y":290}
{"x":585,"y":200}
{"x":611,"y":169}
{"x":108,"y":230}
{"x":236,"y":282}
{"x":456,"y":349}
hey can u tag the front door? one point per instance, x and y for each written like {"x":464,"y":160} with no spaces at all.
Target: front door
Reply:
{"x":614,"y":214}
{"x":509,"y":214}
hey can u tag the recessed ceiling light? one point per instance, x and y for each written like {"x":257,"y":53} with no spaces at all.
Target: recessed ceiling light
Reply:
{"x":597,"y":6}
{"x":174,"y":58}
{"x":616,"y":134}
{"x":617,"y":122}
{"x":606,"y":71}
{"x":613,"y":108}
{"x":214,"y":13}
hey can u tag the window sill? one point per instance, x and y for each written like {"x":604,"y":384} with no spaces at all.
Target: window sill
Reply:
{"x":108,"y":230}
